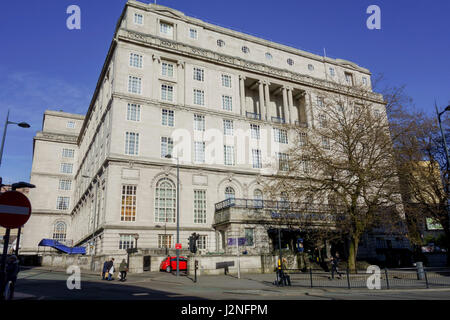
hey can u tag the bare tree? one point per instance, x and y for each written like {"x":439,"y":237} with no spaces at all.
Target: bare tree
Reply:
{"x":424,"y":173}
{"x":345,"y":159}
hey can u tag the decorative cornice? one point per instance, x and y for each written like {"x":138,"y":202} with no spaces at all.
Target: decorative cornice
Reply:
{"x":239,"y":63}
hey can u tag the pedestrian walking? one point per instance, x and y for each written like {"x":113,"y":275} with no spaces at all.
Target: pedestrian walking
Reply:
{"x":123,"y":269}
{"x":111,"y":270}
{"x":334,"y":266}
{"x":105,"y":269}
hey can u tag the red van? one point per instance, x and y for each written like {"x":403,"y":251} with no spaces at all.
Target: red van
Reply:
{"x":170,"y":263}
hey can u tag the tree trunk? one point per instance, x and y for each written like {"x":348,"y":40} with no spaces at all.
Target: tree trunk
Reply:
{"x":352,"y":252}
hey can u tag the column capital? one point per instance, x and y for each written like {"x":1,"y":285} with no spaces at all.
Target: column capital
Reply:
{"x":242,"y":77}
{"x":156,"y":57}
{"x":181,"y":63}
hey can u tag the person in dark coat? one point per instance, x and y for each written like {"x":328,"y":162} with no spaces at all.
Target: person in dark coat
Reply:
{"x":12,"y":269}
{"x":105,"y":269}
{"x":123,"y":269}
{"x":334,"y":266}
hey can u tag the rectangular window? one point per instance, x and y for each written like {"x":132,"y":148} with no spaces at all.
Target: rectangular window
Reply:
{"x":326,"y":143}
{"x":323,"y":121}
{"x":306,"y":165}
{"x":227,"y":103}
{"x":165,"y":241}
{"x":134,"y":112}
{"x":249,"y":236}
{"x":320,"y":102}
{"x":167,"y":69}
{"x":62,"y":203}
{"x":199,"y":152}
{"x":138,"y":18}
{"x":228,"y":155}
{"x":349,"y":78}
{"x":226,"y":81}
{"x":71,"y":124}
{"x":126,"y":241}
{"x":65,"y":184}
{"x":167,"y":118}
{"x":66,"y":168}
{"x":302,"y":139}
{"x":128,"y":208}
{"x":166,"y":146}
{"x":167,"y":92}
{"x":193,"y":34}
{"x":135,"y":60}
{"x":199,"y":97}
{"x":364,"y":81}
{"x":283,"y":161}
{"x":256,"y":155}
{"x":202,"y":242}
{"x":228,"y":127}
{"x":199,"y":206}
{"x":68,"y":153}
{"x":131,"y":143}
{"x":199,"y":74}
{"x":166,"y":28}
{"x":199,"y":122}
{"x":255,"y":131}
{"x":332,"y":72}
{"x":134,"y":84}
{"x":280,"y":135}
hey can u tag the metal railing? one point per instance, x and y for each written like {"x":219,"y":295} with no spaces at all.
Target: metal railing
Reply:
{"x":404,"y":278}
{"x":278,"y":120}
{"x":276,"y":205}
{"x":302,"y":124}
{"x":253,"y":115}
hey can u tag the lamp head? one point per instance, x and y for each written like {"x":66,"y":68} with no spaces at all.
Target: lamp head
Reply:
{"x":23,"y":125}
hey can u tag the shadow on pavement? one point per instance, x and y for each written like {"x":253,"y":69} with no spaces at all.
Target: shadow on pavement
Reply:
{"x":93,"y":290}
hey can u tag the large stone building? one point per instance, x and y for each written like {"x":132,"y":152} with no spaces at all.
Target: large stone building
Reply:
{"x":216,"y":99}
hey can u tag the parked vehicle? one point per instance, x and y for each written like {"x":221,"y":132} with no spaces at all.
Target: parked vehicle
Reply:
{"x":170,"y":263}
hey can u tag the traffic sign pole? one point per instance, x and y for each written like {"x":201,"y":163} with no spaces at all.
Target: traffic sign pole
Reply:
{"x":3,"y":264}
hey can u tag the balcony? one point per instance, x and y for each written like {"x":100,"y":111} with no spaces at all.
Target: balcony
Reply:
{"x":248,"y":210}
{"x":302,"y":124}
{"x":253,"y":115}
{"x":278,"y":120}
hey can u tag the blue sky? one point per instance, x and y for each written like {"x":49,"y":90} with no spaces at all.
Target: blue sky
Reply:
{"x":43,"y":65}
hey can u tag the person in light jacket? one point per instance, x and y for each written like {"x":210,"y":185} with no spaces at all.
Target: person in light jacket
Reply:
{"x":123,"y":269}
{"x":111,"y":270}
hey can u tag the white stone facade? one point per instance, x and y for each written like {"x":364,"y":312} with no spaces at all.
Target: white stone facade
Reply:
{"x":265,"y":85}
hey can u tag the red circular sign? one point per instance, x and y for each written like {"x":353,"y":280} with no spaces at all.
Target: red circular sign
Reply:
{"x":15,"y":209}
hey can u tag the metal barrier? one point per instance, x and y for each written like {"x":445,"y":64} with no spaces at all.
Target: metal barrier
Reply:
{"x":403,"y":278}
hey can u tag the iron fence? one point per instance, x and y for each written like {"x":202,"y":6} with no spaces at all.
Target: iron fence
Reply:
{"x":403,"y":278}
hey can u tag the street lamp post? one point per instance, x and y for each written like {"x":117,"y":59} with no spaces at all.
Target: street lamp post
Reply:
{"x":20,"y":124}
{"x":169,"y":156}
{"x":442,"y":131}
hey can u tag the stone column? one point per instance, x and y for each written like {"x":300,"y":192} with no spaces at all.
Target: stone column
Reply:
{"x":180,"y":89}
{"x":266,"y":99}
{"x":242,"y":93}
{"x":261,"y":97}
{"x":291,"y":106}
{"x":286,"y":113}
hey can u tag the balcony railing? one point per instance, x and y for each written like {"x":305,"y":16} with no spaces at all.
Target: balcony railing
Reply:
{"x":302,"y":124}
{"x":278,"y":120}
{"x":253,"y":115}
{"x":275,"y":205}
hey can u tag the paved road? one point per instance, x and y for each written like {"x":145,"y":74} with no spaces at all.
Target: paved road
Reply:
{"x":42,"y":284}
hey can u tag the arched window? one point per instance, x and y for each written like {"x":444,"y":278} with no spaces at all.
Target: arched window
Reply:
{"x":165,"y":201}
{"x":284,"y":200}
{"x":229,"y":193}
{"x":258,"y":198}
{"x":59,"y":231}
